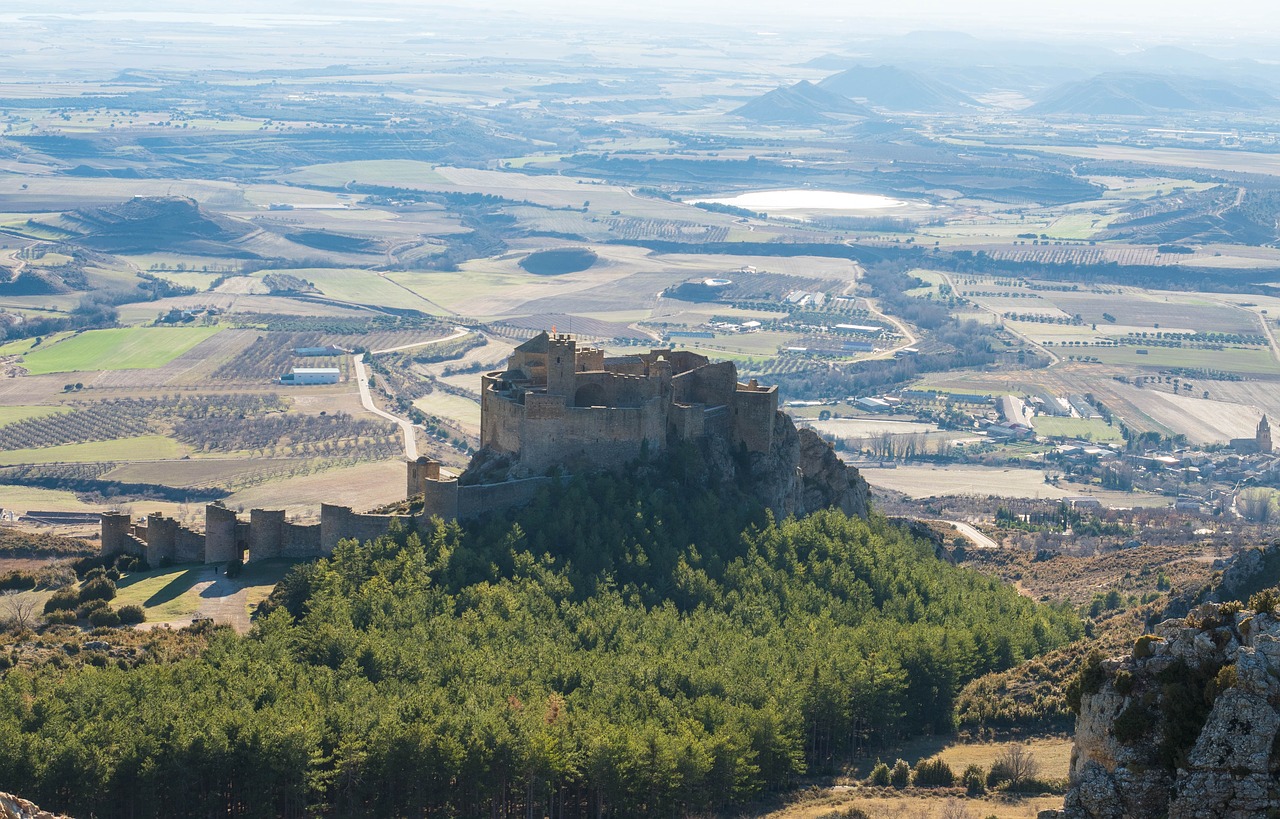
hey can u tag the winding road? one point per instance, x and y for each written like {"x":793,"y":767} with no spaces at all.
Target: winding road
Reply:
{"x":366,"y":396}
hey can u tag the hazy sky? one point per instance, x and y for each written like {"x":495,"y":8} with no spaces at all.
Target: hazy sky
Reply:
{"x":1192,"y":19}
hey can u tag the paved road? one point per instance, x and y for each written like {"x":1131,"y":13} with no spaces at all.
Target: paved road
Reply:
{"x":366,"y":398}
{"x":975,"y":537}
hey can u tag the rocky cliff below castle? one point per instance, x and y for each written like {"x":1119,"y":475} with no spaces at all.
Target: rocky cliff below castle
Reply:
{"x":798,"y":473}
{"x":1187,"y":726}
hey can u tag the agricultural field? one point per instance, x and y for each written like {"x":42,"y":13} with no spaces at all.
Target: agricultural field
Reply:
{"x":363,"y":486}
{"x":143,"y":448}
{"x":462,"y":412}
{"x":982,"y":481}
{"x":128,"y":348}
{"x":13,"y":414}
{"x":1090,"y":429}
{"x":1247,"y":361}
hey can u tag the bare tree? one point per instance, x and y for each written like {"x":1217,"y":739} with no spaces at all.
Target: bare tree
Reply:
{"x":1017,"y":765}
{"x":17,"y":609}
{"x":955,"y":809}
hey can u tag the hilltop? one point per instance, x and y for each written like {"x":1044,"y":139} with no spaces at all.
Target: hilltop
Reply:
{"x":801,"y":104}
{"x":148,"y":223}
{"x":896,"y":89}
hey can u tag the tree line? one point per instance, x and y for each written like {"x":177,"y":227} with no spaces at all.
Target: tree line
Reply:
{"x":625,"y":645}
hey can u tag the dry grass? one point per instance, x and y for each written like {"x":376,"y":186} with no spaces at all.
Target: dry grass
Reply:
{"x":361,"y":487}
{"x":913,"y":804}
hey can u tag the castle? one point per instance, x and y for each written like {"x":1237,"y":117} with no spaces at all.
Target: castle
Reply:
{"x":555,"y":409}
{"x":557,"y":404}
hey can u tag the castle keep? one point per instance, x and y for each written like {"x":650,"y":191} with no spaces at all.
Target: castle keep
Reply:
{"x":557,"y":404}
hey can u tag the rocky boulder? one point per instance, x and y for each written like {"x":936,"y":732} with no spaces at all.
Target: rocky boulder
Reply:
{"x":1187,"y":726}
{"x":12,"y":807}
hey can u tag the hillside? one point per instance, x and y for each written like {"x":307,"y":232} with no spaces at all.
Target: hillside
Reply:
{"x":896,"y":89}
{"x":801,"y":104}
{"x":1134,"y":94}
{"x":149,"y":223}
{"x":627,"y":645}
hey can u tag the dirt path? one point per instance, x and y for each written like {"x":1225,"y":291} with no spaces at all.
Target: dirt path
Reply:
{"x":458,"y":332}
{"x":224,"y":601}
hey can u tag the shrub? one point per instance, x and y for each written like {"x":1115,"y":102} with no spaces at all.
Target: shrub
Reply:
{"x":879,"y":775}
{"x":105,"y":616}
{"x":1264,"y":601}
{"x":89,"y":607}
{"x":1142,"y":647}
{"x":132,"y":615}
{"x":1086,"y":683}
{"x":975,"y":780}
{"x":99,"y":588}
{"x":17,"y":581}
{"x":933,"y":773}
{"x":60,"y":617}
{"x":1123,"y":682}
{"x":900,"y":776}
{"x":846,"y":813}
{"x":61,"y":600}
{"x":97,"y":659}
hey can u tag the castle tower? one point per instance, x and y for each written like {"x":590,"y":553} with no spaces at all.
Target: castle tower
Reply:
{"x":423,"y":469}
{"x":1263,"y":436}
{"x":115,"y":528}
{"x":562,"y":353}
{"x":220,"y":544}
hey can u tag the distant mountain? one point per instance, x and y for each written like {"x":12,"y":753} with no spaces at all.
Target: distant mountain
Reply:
{"x":801,"y":104}
{"x":150,"y":223}
{"x":896,"y":89}
{"x":1132,"y":94}
{"x":1173,"y":58}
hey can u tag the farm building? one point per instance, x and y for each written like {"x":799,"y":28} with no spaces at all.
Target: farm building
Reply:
{"x":311,"y":375}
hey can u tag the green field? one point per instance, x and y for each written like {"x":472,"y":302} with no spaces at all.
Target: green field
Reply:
{"x":24,"y":345}
{"x":144,"y":448}
{"x":1093,"y":429}
{"x":125,"y":348}
{"x":1245,"y":361}
{"x":10,"y":415}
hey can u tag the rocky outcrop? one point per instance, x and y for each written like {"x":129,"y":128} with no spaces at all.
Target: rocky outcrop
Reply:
{"x":1186,"y":727}
{"x":11,"y":807}
{"x":1250,"y":571}
{"x":800,"y":473}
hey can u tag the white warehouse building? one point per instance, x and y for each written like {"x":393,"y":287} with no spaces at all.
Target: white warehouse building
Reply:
{"x":311,"y":375}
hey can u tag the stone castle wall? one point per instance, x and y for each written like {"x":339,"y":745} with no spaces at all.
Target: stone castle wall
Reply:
{"x":554,"y":406}
{"x":340,"y":523}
